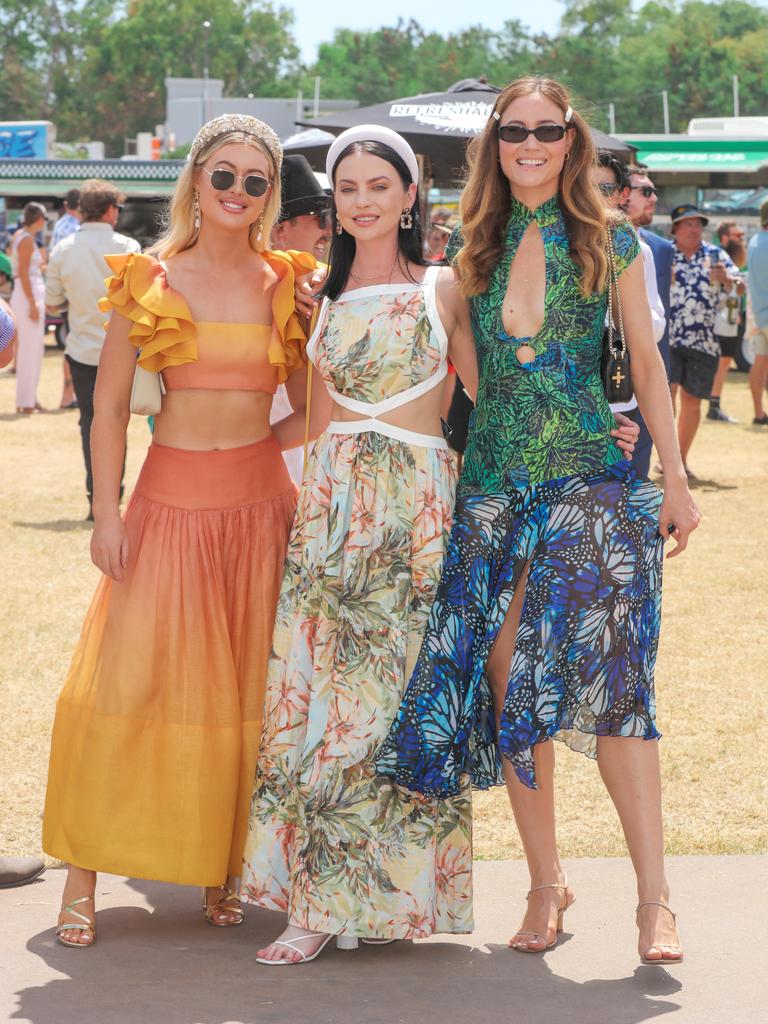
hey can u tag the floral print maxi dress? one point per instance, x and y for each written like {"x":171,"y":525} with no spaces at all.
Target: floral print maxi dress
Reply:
{"x":336,"y":847}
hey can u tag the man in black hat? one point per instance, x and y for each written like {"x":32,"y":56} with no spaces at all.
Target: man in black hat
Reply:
{"x":304,"y":222}
{"x":700,"y":272}
{"x":304,"y":225}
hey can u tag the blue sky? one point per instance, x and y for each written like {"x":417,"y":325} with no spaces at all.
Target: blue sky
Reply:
{"x":317,"y":19}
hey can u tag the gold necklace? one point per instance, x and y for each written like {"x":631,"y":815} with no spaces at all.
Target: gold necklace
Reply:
{"x":375,"y":279}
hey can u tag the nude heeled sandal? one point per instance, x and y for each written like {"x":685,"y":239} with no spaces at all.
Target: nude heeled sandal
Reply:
{"x":88,"y":926}
{"x":537,"y":936}
{"x":677,"y":956}
{"x":219,"y":907}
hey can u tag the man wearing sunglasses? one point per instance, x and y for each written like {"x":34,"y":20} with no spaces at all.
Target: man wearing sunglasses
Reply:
{"x":75,"y":278}
{"x":304,"y":225}
{"x":612,"y":181}
{"x":640,"y":206}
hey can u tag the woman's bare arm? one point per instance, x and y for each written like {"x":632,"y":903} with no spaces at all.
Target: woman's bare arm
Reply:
{"x":290,"y":430}
{"x":454,"y":312}
{"x":24,"y":251}
{"x":117,"y":364}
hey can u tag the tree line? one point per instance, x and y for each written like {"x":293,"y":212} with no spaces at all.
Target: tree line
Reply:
{"x":96,"y":68}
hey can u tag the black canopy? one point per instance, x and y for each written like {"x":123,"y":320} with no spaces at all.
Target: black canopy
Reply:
{"x":437,"y":125}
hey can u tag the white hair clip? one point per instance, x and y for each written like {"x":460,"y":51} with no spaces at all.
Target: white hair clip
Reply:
{"x":568,"y":115}
{"x":496,"y":115}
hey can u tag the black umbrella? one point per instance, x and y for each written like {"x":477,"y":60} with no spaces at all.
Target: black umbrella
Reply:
{"x":437,"y":125}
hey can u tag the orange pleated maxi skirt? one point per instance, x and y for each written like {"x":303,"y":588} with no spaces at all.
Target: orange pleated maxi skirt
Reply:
{"x":157,"y":728}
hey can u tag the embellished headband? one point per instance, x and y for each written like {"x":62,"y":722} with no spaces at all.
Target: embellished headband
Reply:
{"x":372,"y":133}
{"x":567,"y":117}
{"x":244,"y":123}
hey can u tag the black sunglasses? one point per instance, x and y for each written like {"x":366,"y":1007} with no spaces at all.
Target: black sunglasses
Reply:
{"x":544,"y":133}
{"x":608,"y":188}
{"x":647,"y":190}
{"x":119,"y":207}
{"x":253,"y":184}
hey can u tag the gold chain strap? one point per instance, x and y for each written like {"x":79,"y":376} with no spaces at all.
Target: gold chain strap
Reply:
{"x":614,"y":283}
{"x":306,"y":421}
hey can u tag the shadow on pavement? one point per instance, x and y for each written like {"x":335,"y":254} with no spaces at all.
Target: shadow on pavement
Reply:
{"x":58,"y":525}
{"x":167,"y":966}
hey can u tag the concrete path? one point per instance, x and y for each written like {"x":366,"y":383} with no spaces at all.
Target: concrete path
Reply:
{"x":157,"y":961}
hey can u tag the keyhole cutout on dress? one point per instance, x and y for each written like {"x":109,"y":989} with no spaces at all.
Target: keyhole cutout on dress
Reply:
{"x":523,"y":311}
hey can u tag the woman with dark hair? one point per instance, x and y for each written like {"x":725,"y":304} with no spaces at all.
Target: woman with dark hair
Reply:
{"x":28,"y":305}
{"x":545,"y":624}
{"x":338,"y":849}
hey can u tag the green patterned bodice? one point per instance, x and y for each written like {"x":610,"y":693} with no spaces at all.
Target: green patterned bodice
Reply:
{"x":548,"y":418}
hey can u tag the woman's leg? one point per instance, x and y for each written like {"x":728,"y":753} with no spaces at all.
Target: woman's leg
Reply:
{"x":222,"y":904}
{"x":534,"y":809}
{"x":80,"y":882}
{"x":630,"y":770}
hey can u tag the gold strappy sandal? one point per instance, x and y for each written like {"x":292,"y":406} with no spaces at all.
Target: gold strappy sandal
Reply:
{"x":88,"y":926}
{"x":228,"y":896}
{"x":677,"y":956}
{"x":526,"y":936}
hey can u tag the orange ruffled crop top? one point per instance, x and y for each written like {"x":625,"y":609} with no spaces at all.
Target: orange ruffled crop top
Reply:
{"x":221,"y":356}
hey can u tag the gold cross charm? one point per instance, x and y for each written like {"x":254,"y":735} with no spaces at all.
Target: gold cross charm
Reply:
{"x":618,"y":377}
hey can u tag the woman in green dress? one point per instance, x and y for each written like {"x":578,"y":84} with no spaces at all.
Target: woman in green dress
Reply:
{"x":545,"y":624}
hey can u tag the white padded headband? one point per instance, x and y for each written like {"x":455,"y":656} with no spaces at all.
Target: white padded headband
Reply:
{"x":372,"y":133}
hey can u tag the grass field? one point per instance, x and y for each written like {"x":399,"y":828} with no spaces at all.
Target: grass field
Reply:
{"x":712,"y":676}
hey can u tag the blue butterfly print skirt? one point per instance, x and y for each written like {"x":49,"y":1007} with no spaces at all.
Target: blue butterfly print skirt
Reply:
{"x":586,"y":644}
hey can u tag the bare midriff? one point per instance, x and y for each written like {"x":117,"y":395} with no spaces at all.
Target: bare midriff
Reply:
{"x":422,"y":415}
{"x":207,"y":420}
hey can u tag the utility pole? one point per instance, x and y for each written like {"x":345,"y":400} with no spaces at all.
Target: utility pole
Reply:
{"x":611,"y":119}
{"x":665,"y":102}
{"x":735,"y":95}
{"x":316,"y":106}
{"x":206,"y":30}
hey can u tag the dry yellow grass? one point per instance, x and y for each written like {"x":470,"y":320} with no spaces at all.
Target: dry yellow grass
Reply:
{"x":711,"y":681}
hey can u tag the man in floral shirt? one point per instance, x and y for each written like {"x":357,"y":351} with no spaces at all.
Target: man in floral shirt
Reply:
{"x":699,"y":272}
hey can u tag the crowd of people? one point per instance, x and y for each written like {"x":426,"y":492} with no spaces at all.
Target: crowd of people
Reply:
{"x":286,"y":697}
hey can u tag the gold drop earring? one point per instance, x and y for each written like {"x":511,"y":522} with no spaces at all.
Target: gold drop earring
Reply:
{"x":196,"y":209}
{"x":339,"y":228}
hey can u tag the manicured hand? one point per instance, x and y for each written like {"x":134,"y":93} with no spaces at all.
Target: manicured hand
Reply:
{"x":306,"y":287}
{"x":109,"y":546}
{"x":679,"y":516}
{"x":626,"y":433}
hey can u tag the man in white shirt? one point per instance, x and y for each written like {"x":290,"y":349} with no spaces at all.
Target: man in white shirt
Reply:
{"x":75,"y":278}
{"x":611,"y":180}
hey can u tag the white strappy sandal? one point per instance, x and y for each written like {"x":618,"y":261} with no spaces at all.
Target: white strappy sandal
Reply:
{"x":342,"y":942}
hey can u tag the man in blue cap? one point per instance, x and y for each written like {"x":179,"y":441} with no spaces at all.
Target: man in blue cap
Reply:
{"x":699,"y":272}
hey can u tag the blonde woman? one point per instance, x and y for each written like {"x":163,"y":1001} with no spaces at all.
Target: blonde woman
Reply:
{"x":545,"y":624}
{"x":157,"y":727}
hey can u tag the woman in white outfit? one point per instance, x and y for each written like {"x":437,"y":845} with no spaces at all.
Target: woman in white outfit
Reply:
{"x":28,"y":305}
